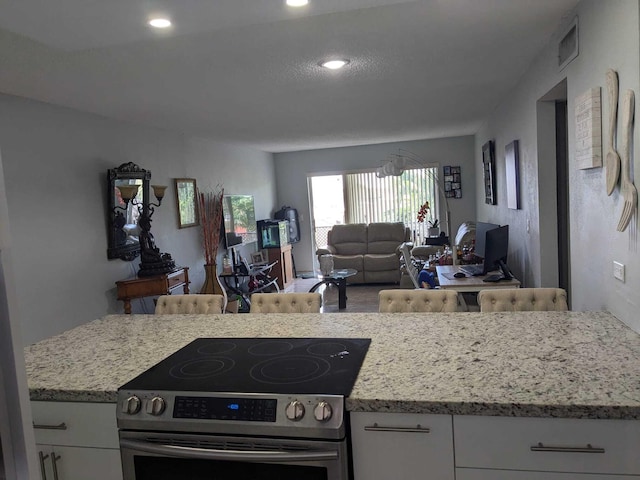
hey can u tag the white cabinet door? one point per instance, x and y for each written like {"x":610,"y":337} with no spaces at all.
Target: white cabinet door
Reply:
{"x":77,"y":441}
{"x":79,"y":463}
{"x":390,"y":446}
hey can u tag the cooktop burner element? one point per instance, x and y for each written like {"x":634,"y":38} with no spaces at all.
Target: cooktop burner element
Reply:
{"x":259,"y":365}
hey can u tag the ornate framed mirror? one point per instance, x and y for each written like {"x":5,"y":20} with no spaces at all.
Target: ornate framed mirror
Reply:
{"x":123,"y":229}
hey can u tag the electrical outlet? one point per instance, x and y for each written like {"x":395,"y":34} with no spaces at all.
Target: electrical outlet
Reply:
{"x":618,"y":271}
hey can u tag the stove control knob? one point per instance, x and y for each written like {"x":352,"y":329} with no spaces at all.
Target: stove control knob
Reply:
{"x":295,"y":410}
{"x":156,"y":406}
{"x":132,"y":405}
{"x":323,"y":411}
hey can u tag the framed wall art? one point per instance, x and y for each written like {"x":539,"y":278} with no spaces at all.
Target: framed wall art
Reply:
{"x":489,"y":170}
{"x":187,"y":205}
{"x":512,"y":168}
{"x":452,"y":181}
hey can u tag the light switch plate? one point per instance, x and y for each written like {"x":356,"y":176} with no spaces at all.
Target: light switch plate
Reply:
{"x":618,"y":271}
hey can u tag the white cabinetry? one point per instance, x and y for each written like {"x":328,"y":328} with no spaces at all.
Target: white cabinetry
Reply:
{"x":76,"y":441}
{"x":500,"y":448}
{"x":400,"y":445}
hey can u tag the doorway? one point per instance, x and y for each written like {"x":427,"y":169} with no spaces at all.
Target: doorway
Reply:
{"x":553,"y":189}
{"x":326,"y":194}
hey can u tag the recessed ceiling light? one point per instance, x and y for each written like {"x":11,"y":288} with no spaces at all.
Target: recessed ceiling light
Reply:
{"x":160,"y":22}
{"x":334,"y":64}
{"x":297,"y":3}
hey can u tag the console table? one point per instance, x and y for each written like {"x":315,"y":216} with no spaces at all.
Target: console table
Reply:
{"x":139,"y":287}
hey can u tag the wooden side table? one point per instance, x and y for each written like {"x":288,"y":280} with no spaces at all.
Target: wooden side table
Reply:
{"x":139,"y":287}
{"x":283,"y":270}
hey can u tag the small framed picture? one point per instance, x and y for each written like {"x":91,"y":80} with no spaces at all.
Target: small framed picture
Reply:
{"x":257,"y":258}
{"x":458,"y":193}
{"x":447,"y":170}
{"x":187,"y":205}
{"x":448,"y":178}
{"x":456,"y":177}
{"x":447,"y":186}
{"x":455,"y":169}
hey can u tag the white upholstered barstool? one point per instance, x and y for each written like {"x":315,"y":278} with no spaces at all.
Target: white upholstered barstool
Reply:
{"x":523,"y":299}
{"x":172,"y":304}
{"x":417,"y":300}
{"x":285,"y":303}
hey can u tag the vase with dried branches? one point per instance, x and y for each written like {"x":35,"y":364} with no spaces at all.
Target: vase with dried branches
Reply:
{"x":210,"y":212}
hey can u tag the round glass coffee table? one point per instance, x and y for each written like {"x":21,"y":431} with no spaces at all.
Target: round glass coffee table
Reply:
{"x":339,"y":279}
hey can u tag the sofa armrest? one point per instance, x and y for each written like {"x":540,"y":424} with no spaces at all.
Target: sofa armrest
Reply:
{"x":328,"y":250}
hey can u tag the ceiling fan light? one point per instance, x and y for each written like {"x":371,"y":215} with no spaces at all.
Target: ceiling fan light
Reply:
{"x":160,"y":22}
{"x":297,"y":3}
{"x":334,"y":64}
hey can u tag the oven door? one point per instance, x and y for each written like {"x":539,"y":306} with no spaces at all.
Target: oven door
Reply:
{"x":179,"y":456}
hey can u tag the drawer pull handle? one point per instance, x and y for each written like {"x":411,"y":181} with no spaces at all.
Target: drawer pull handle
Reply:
{"x":551,"y":448}
{"x":43,"y":471}
{"x":61,"y":426}
{"x":417,"y":429}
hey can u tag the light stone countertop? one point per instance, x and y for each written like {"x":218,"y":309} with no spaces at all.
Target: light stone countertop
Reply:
{"x":560,"y":364}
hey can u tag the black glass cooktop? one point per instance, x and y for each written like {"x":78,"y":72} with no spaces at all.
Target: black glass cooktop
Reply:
{"x":259,"y":365}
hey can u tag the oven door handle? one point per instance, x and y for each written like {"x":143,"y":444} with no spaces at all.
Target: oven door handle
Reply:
{"x":237,"y":455}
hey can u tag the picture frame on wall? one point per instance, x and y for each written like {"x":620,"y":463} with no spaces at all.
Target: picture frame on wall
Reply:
{"x":452,"y":181}
{"x":489,"y":173}
{"x":512,"y":169}
{"x":186,"y":201}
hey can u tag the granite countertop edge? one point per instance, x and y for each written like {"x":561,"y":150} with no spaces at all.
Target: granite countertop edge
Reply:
{"x":527,"y":364}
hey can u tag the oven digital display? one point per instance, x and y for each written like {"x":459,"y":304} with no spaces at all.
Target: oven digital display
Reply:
{"x":224,"y":408}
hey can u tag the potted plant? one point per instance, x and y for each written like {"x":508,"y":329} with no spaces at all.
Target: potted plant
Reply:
{"x":434,"y":228}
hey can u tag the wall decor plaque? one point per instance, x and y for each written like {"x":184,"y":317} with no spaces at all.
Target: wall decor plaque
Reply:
{"x":588,"y":114}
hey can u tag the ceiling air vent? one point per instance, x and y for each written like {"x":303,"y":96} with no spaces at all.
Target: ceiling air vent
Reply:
{"x":568,"y":46}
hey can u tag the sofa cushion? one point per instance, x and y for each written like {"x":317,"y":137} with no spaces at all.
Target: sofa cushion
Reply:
{"x":348,"y":261}
{"x":349,"y":239}
{"x":385,"y":237}
{"x":381,"y":262}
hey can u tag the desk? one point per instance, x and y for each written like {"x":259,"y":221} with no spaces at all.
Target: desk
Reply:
{"x":468,"y":284}
{"x":139,"y":287}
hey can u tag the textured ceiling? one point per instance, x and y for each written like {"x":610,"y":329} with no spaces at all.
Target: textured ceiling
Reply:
{"x":246,"y":71}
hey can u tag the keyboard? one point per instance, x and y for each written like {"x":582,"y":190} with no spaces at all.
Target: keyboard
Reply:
{"x":473,"y":270}
{"x":493,"y":278}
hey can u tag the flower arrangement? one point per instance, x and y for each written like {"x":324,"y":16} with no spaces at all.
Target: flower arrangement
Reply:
{"x":423,"y":211}
{"x":210,"y":212}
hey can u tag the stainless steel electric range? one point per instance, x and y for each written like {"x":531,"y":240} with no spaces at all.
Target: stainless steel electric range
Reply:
{"x":235,"y":408}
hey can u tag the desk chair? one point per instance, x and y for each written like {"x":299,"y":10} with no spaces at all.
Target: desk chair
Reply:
{"x":285,"y":303}
{"x":409,"y":267}
{"x":172,"y":304}
{"x":418,"y":300}
{"x":523,"y":299}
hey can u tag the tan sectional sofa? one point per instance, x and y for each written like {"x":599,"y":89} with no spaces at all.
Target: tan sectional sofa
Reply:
{"x":371,"y":249}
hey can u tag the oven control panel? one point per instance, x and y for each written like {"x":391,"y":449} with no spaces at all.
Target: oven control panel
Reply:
{"x":225,"y":408}
{"x":296,"y":415}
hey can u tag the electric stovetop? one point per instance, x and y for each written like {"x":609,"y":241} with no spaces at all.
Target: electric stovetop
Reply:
{"x":259,"y":365}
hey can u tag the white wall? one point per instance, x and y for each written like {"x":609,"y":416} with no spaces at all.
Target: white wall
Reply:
{"x":608,"y":33}
{"x":293,"y":168}
{"x":55,"y":164}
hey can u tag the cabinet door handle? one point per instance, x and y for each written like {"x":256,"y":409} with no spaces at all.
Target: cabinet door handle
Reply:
{"x":417,"y":429}
{"x":60,"y":426}
{"x":43,"y":457}
{"x":540,"y":447}
{"x":54,"y":462}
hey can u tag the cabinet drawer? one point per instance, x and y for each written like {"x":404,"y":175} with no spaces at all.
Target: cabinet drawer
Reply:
{"x":401,"y":445}
{"x":85,"y":424}
{"x":481,"y":474}
{"x":548,"y":444}
{"x":176,"y":279}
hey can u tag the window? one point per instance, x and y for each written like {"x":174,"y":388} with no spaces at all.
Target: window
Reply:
{"x":366,"y":198}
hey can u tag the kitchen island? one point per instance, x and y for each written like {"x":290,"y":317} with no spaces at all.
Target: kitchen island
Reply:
{"x":542,"y":364}
{"x":470,"y":396}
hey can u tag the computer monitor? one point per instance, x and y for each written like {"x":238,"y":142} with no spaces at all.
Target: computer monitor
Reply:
{"x":495,"y":251}
{"x":481,"y":231}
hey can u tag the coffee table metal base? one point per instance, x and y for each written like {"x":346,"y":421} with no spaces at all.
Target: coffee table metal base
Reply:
{"x":341,"y":283}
